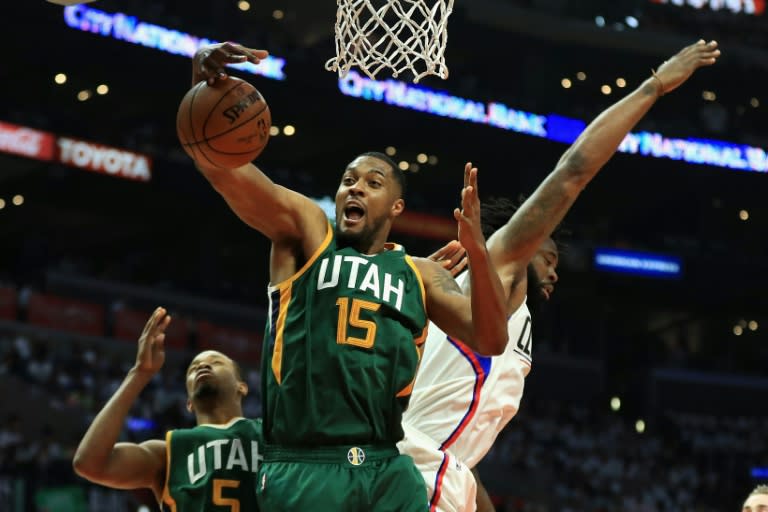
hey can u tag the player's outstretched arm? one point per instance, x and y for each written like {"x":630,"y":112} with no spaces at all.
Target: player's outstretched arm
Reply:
{"x":277,"y":212}
{"x":480,"y":321}
{"x":513,"y":246}
{"x":99,"y":457}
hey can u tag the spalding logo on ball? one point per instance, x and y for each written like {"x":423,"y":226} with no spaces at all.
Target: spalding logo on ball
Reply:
{"x":225,"y":125}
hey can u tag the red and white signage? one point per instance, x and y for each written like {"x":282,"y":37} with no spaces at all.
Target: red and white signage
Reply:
{"x":40,"y":145}
{"x":20,"y":140}
{"x":104,"y":159}
{"x":754,"y":7}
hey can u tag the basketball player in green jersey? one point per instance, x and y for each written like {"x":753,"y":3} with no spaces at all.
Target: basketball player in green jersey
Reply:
{"x":212,"y":467}
{"x":348,"y":314}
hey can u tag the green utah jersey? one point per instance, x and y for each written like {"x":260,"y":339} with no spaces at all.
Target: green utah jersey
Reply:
{"x":342,"y":346}
{"x":213,"y":468}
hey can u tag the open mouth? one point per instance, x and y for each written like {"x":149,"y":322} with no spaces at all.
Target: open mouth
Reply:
{"x":353,"y":213}
{"x":547,"y":291}
{"x":202,"y":374}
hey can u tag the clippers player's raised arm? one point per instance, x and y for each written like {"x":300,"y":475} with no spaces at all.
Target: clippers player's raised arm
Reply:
{"x":479,"y":321}
{"x":513,"y":246}
{"x":99,"y":457}
{"x":295,"y":224}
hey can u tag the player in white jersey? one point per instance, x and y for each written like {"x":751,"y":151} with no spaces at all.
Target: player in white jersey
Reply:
{"x":464,"y":399}
{"x":460,"y":400}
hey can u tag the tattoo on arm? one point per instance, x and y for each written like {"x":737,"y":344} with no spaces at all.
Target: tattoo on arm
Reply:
{"x":536,"y":217}
{"x":445,"y":282}
{"x":576,"y":158}
{"x":543,"y":211}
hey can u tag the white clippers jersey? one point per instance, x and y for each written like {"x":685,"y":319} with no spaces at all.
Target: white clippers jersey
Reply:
{"x":462,"y":400}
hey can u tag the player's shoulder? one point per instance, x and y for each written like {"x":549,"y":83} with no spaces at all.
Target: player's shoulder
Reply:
{"x":522,"y":310}
{"x":157,"y":447}
{"x":426,"y":265}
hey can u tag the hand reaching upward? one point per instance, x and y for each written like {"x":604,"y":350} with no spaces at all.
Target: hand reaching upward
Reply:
{"x":151,"y":351}
{"x":675,"y":71}
{"x":470,"y":228}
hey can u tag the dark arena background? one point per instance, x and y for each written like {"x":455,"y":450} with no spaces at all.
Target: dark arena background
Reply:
{"x":649,"y":376}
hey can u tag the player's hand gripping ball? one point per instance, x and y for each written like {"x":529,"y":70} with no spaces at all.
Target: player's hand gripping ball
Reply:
{"x":225,"y":124}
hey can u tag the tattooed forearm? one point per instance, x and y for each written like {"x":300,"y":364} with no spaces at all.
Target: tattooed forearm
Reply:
{"x":539,"y":215}
{"x":545,"y":209}
{"x":445,"y":282}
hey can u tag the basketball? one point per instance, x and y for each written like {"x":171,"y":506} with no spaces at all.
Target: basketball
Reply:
{"x":226,"y":124}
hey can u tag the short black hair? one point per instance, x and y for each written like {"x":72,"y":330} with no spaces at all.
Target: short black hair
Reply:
{"x":495,"y":212}
{"x":396,"y":172}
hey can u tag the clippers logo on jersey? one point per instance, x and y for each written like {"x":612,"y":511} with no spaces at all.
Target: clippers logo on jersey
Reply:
{"x":222,"y":454}
{"x":363,"y":276}
{"x":356,"y":456}
{"x":523,"y":345}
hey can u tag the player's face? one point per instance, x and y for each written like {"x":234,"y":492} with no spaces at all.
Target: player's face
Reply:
{"x":542,"y":271}
{"x":368,"y":196}
{"x":756,"y":503}
{"x":209,"y":373}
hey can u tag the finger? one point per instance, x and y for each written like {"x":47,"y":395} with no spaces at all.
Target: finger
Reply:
{"x":458,"y":253}
{"x":467,"y":202}
{"x":256,"y":56}
{"x":259,"y":54}
{"x":232,"y":46}
{"x":461,"y":265}
{"x":457,"y":214}
{"x":443,"y":251}
{"x":467,"y":169}
{"x":211,"y":69}
{"x":238,"y":53}
{"x":473,"y":179}
{"x":159,"y":340}
{"x":451,"y":257}
{"x":164,"y":323}
{"x":450,"y":247}
{"x":153,"y":318}
{"x":218,"y":76}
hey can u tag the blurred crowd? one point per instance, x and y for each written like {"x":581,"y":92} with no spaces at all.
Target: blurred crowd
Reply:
{"x":552,"y":456}
{"x":576,"y":458}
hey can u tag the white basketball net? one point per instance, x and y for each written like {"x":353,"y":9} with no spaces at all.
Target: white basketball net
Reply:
{"x":402,"y":35}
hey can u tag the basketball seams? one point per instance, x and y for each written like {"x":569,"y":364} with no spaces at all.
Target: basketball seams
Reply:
{"x":203,"y":109}
{"x":209,"y":139}
{"x":180,"y":122}
{"x":215,"y":106}
{"x":230,"y":130}
{"x":192,"y":125}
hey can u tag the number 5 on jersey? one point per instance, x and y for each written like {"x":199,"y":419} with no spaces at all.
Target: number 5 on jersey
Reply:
{"x":350,"y":316}
{"x":219,"y":484}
